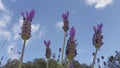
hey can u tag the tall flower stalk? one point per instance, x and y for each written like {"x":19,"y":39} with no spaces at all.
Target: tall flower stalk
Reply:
{"x":65,"y":28}
{"x":71,"y":47}
{"x":26,"y":31}
{"x":97,"y":41}
{"x":48,"y":51}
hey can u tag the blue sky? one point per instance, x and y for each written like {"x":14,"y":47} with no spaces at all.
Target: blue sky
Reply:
{"x":47,"y":25}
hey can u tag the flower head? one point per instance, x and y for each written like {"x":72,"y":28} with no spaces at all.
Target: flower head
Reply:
{"x":66,"y":22}
{"x":97,"y":37}
{"x":48,"y":50}
{"x":26,"y":28}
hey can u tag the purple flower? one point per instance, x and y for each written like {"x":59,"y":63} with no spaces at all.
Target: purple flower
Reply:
{"x":98,"y":28}
{"x":65,"y":15}
{"x":95,"y":29}
{"x":47,"y":43}
{"x":72,"y":33}
{"x":29,"y":15}
{"x":23,"y":15}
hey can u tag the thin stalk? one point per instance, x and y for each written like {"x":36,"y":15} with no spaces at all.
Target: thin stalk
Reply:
{"x":63,"y":46}
{"x":21,"y":59}
{"x":68,"y":64}
{"x":93,"y":63}
{"x":47,"y":63}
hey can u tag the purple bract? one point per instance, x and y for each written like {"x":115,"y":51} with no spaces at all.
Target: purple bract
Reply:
{"x":47,"y":43}
{"x":65,"y":15}
{"x":99,"y":27}
{"x":29,"y":15}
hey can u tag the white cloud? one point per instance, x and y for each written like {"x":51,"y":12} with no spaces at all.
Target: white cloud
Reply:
{"x":35,"y":28}
{"x":2,"y":7}
{"x":99,"y":3}
{"x":17,"y":29}
{"x":4,"y":33}
{"x":11,"y":53}
{"x":59,"y":25}
{"x":4,"y":20}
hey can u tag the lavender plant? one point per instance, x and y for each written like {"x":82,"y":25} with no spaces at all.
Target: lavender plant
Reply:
{"x":97,"y":41}
{"x":65,"y":28}
{"x":48,"y":51}
{"x":26,"y":31}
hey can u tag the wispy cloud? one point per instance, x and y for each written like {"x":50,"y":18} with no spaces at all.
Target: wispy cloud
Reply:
{"x":2,"y":7}
{"x":99,"y":3}
{"x":59,"y":25}
{"x":35,"y":28}
{"x":17,"y":29}
{"x":4,"y":20}
{"x":4,"y":33}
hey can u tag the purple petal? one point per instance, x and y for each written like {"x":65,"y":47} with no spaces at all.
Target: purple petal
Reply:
{"x":65,"y":15}
{"x":23,"y":14}
{"x":72,"y":32}
{"x":98,"y":27}
{"x":48,"y":43}
{"x":45,"y":42}
{"x":95,"y":29}
{"x":101,"y":25}
{"x":31,"y":14}
{"x":27,"y":14}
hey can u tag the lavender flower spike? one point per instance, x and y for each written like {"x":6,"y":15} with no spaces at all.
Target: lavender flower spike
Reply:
{"x":72,"y":33}
{"x":65,"y":15}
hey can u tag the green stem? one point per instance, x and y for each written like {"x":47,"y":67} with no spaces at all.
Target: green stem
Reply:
{"x":21,"y":58}
{"x":93,"y":63}
{"x":68,"y":64}
{"x":63,"y":46}
{"x":47,"y":63}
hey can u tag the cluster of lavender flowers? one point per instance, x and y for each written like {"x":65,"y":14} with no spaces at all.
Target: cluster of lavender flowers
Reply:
{"x":66,"y":21}
{"x":48,"y":50}
{"x":71,"y":45}
{"x":97,"y":37}
{"x":26,"y":28}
